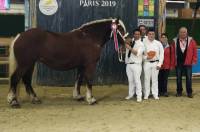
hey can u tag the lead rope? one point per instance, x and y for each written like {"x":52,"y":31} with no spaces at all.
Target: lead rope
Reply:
{"x":117,"y":49}
{"x":120,"y":53}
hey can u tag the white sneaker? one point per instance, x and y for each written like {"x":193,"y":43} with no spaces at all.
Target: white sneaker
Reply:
{"x":139,"y":99}
{"x":156,"y":97}
{"x":128,"y":97}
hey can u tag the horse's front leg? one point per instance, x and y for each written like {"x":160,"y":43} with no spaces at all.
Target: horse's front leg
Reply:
{"x":76,"y":92}
{"x":89,"y":77}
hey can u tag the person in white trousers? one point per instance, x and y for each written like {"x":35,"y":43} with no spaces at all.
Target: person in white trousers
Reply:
{"x":133,"y":61}
{"x":153,"y":59}
{"x":143,"y":31}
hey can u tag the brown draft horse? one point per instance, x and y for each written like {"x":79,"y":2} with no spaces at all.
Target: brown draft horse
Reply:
{"x":79,"y":48}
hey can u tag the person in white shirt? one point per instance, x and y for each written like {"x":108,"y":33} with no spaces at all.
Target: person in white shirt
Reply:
{"x":153,"y":59}
{"x":143,"y":32}
{"x":133,"y":59}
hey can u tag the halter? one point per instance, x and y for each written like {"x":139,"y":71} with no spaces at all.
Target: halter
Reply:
{"x":114,"y":32}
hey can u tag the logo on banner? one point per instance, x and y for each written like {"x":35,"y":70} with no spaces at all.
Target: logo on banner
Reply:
{"x":48,"y":7}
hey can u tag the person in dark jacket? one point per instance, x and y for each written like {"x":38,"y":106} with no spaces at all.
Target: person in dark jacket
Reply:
{"x":165,"y":68}
{"x":184,"y":55}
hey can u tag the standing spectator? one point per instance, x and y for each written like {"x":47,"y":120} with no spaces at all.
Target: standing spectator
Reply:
{"x":133,"y":59}
{"x":165,"y":68}
{"x":184,"y":51}
{"x":153,"y":55}
{"x":143,"y":31}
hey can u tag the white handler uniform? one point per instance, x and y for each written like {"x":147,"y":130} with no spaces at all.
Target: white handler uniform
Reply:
{"x":142,"y":74}
{"x":134,"y":69}
{"x":150,"y":70}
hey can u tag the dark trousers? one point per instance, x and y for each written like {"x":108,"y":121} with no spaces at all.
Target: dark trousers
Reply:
{"x":188,"y":73}
{"x":162,"y":81}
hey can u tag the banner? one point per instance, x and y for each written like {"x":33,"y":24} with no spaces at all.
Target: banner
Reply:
{"x":146,"y":8}
{"x":196,"y":68}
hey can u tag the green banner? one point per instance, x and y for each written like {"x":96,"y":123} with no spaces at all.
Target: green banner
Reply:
{"x":146,"y":8}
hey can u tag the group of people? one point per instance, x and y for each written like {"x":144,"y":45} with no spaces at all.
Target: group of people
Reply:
{"x":149,"y":61}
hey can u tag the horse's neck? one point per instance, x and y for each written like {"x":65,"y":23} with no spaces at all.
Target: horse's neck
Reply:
{"x":101,"y":32}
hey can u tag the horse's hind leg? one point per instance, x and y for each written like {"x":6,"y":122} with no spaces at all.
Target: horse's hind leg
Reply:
{"x":76,"y":92}
{"x":12,"y":95}
{"x":27,"y":80}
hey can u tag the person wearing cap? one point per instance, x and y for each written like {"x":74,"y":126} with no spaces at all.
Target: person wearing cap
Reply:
{"x":133,"y":60}
{"x":153,"y":59}
{"x":184,"y":55}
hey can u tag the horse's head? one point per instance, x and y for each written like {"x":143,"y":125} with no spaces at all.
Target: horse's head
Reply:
{"x":120,"y":29}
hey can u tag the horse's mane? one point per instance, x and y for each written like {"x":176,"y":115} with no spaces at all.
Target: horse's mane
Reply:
{"x":91,"y":23}
{"x":94,"y":22}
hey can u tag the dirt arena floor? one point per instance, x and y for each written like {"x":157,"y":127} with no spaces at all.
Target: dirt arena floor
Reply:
{"x":60,"y":113}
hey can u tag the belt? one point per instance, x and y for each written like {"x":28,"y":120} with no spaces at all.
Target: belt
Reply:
{"x":153,"y":61}
{"x":131,"y":63}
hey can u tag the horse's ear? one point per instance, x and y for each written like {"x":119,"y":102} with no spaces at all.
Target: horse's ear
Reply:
{"x":117,"y":20}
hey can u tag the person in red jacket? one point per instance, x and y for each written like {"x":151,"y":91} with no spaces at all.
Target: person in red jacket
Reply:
{"x":184,"y":55}
{"x":165,"y":68}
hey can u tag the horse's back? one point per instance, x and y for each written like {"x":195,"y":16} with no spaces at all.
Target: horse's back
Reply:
{"x":34,"y":34}
{"x":27,"y":46}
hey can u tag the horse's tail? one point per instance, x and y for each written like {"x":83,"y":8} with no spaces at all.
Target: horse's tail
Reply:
{"x":12,"y":59}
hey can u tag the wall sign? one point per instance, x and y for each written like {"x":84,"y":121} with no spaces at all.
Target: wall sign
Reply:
{"x":48,"y":7}
{"x":146,"y":22}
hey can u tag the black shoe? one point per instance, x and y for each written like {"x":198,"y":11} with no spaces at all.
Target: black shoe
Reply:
{"x":190,"y":96}
{"x":178,"y":94}
{"x":166,"y":94}
{"x":160,"y":94}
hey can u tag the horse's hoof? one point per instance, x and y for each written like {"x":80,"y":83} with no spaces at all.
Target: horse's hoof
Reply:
{"x":14,"y":104}
{"x":79,"y":98}
{"x":92,"y":101}
{"x":36,"y":101}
